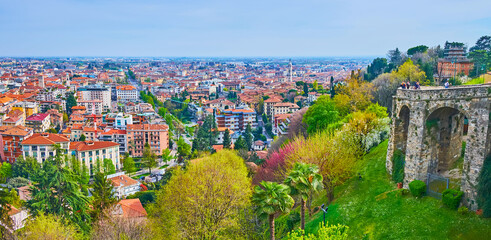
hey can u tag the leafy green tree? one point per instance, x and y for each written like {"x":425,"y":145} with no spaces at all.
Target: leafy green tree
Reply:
{"x":484,"y":188}
{"x":260,"y":107}
{"x":305,"y":89}
{"x":82,"y":138}
{"x":207,"y":133}
{"x":183,"y":149}
{"x":129,"y":165}
{"x":47,"y":226}
{"x":248,"y":137}
{"x":206,"y":201}
{"x":149,"y":159}
{"x":227,"y":141}
{"x":304,"y":179}
{"x":56,"y":191}
{"x":5,"y":171}
{"x":483,"y":43}
{"x":109,"y":167}
{"x":417,"y":49}
{"x":321,"y":114}
{"x":240,"y":144}
{"x":103,"y":196}
{"x":376,"y":68}
{"x":271,"y":199}
{"x":70,"y":102}
{"x":166,"y":155}
{"x":395,"y":57}
{"x":162,"y":111}
{"x":5,"y":220}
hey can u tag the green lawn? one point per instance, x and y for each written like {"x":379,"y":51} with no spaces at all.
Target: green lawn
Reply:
{"x":163,"y":166}
{"x":141,"y":175}
{"x":372,"y":210}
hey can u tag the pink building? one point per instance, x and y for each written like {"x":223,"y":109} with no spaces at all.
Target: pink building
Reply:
{"x":156,"y":135}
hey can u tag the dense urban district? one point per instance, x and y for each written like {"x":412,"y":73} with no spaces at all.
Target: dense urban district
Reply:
{"x":248,"y":148}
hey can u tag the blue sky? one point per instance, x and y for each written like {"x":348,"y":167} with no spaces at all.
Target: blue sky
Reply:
{"x":235,"y":28}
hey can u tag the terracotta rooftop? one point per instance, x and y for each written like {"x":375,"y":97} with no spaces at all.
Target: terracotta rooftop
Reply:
{"x":123,"y":180}
{"x":45,"y":139}
{"x":132,"y":208}
{"x":37,"y":117}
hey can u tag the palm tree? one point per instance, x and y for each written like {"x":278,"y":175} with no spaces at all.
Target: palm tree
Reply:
{"x":304,"y":179}
{"x":274,"y":198}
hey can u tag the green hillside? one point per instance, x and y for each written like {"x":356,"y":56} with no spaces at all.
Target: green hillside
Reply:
{"x":374,"y":209}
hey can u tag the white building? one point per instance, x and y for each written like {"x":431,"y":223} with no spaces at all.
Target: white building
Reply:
{"x":41,"y":145}
{"x":123,"y":185}
{"x":91,"y":106}
{"x":95,"y":92}
{"x":90,"y":152}
{"x":127,"y":93}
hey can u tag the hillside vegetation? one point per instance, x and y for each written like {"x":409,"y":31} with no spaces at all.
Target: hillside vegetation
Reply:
{"x":373,"y":208}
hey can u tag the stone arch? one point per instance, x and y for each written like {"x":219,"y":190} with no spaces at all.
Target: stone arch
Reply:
{"x":442,"y":139}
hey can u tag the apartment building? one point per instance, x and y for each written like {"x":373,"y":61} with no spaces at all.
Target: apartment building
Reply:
{"x":40,"y":122}
{"x":12,"y":136}
{"x":92,"y":106}
{"x":269,"y":103}
{"x":236,"y":119}
{"x":96,"y":92}
{"x":118,"y":120}
{"x":127,"y":93}
{"x":41,"y":146}
{"x":284,"y":108}
{"x":117,"y":136}
{"x":156,"y":136}
{"x":89,"y":152}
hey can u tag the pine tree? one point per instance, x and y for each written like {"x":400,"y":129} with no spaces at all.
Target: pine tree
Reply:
{"x":103,"y":195}
{"x":248,"y":137}
{"x":226,"y":139}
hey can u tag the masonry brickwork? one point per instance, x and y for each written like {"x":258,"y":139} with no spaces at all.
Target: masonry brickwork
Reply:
{"x":429,"y":126}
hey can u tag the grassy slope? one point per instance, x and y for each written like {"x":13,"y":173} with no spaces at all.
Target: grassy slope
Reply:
{"x":395,"y":216}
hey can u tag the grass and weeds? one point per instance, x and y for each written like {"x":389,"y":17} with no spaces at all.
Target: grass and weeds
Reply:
{"x":374,"y":209}
{"x":141,"y":175}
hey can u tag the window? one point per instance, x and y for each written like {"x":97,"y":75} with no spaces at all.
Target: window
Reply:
{"x":83,"y":154}
{"x":34,"y":148}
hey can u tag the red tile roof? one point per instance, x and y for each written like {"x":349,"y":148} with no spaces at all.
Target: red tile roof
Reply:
{"x":37,"y":117}
{"x":132,"y":208}
{"x":45,"y":139}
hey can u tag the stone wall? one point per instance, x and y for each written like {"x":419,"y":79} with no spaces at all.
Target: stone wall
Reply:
{"x":435,"y":132}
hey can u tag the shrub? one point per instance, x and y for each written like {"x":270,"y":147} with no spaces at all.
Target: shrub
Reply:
{"x":417,"y":188}
{"x":398,"y":166}
{"x":451,"y":198}
{"x":483,"y":186}
{"x":463,"y":210}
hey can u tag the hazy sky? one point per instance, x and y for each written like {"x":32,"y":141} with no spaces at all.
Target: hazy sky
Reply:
{"x":234,"y":27}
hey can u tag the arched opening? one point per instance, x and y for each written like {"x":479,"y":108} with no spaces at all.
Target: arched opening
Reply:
{"x":444,"y":140}
{"x":400,"y":143}
{"x":401,"y":129}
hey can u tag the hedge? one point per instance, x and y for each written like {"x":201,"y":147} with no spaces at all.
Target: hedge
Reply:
{"x":417,"y":188}
{"x":451,"y":198}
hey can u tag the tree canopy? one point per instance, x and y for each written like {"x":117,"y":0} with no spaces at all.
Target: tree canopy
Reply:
{"x":205,"y":201}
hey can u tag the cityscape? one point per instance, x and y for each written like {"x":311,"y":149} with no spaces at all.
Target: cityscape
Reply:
{"x":117,"y":137}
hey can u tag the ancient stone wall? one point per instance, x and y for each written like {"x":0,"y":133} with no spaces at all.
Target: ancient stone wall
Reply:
{"x":436,"y":130}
